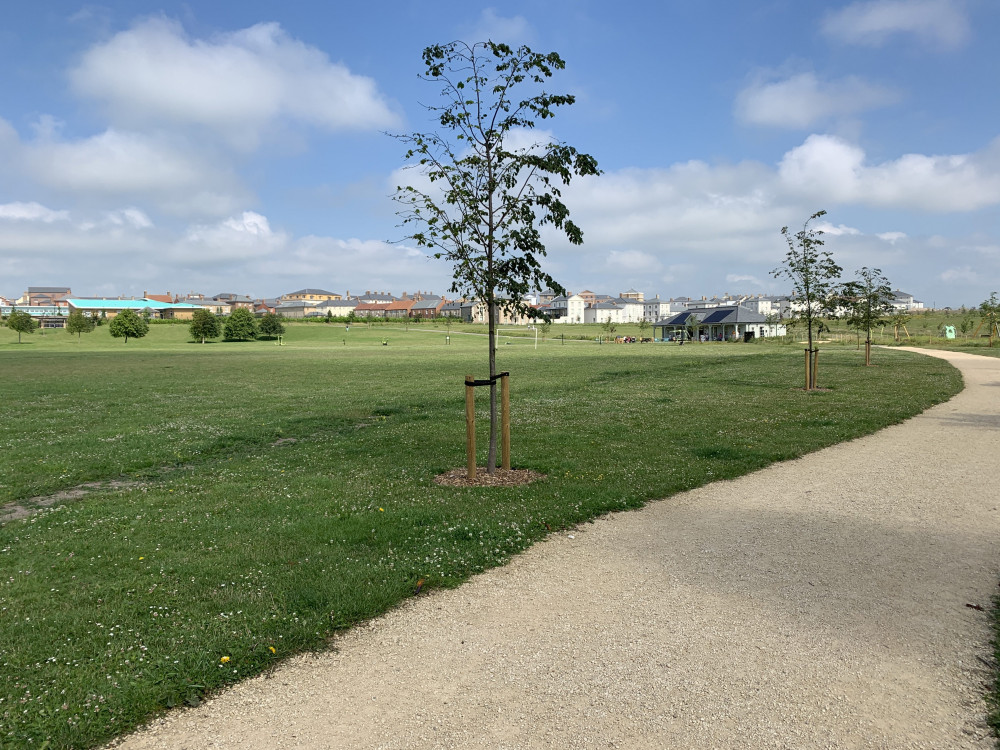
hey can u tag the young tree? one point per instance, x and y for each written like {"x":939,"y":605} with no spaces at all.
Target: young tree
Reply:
{"x":868,"y":300}
{"x":204,"y":325}
{"x":79,"y":323}
{"x":21,"y":322}
{"x":271,"y":325}
{"x":240,"y":325}
{"x":128,"y":324}
{"x":610,"y":326}
{"x":693,"y":327}
{"x":643,"y":326}
{"x":898,"y":320}
{"x":488,"y":187}
{"x":813,"y":274}
{"x":989,"y":313}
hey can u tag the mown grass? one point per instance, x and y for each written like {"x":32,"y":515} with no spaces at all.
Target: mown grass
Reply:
{"x":282,"y":493}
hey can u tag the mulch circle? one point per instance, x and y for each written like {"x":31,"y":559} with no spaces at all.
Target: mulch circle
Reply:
{"x":499,"y":478}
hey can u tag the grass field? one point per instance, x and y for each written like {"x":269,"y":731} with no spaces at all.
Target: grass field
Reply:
{"x":267,"y":496}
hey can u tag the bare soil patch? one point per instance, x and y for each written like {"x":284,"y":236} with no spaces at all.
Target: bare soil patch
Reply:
{"x":24,"y":508}
{"x":500,"y":478}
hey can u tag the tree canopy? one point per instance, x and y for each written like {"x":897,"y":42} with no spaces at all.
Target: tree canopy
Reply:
{"x":79,"y":323}
{"x":271,"y":325}
{"x":813,"y":273}
{"x":128,"y":324}
{"x":989,"y":313}
{"x":241,"y":325}
{"x":21,"y":322}
{"x":204,"y":325}
{"x":483,"y":185}
{"x":868,"y":302}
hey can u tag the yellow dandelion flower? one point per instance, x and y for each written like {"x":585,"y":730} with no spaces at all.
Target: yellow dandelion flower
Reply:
{"x":142,"y":558}
{"x":224,"y":659}
{"x":381,"y":510}
{"x":272,"y":649}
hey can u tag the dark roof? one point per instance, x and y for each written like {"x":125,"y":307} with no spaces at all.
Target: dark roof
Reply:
{"x":715,"y":316}
{"x":311,"y":291}
{"x":47,"y":289}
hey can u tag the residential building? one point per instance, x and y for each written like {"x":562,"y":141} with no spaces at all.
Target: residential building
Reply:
{"x":310,"y":295}
{"x":45,"y":295}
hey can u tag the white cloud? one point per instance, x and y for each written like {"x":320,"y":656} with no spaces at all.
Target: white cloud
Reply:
{"x":239,"y":84}
{"x":961,"y":274}
{"x":513,"y":30}
{"x":891,"y":237}
{"x":872,"y":22}
{"x":828,"y":169}
{"x":633,"y":261}
{"x":18,"y":211}
{"x":171,"y":174}
{"x":836,"y":231}
{"x":738,"y":278}
{"x":803,"y":100}
{"x":239,"y":238}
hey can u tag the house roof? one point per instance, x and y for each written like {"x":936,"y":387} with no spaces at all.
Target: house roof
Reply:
{"x":714,"y":316}
{"x":48,"y":290}
{"x":312,"y":291}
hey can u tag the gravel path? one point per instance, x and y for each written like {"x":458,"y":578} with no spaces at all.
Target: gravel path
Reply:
{"x":818,"y":603}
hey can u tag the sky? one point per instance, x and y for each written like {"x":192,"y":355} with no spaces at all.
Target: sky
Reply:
{"x":245,"y":146}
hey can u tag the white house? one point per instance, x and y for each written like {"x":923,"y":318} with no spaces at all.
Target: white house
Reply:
{"x":567,"y":309}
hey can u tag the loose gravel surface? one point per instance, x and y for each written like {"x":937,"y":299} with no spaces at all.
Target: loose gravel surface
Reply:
{"x":819,"y":603}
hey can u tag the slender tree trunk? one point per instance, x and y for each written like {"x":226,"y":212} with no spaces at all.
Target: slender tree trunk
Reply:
{"x":491,"y":458}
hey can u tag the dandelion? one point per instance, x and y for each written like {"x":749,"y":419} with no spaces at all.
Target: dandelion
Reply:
{"x":381,"y":510}
{"x":142,"y":558}
{"x":224,"y":659}
{"x":272,"y":649}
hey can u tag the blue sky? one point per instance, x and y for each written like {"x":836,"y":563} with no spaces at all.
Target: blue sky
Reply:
{"x":241,"y":147}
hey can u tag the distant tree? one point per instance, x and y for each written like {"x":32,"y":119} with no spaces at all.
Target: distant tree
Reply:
{"x":868,"y":301}
{"x":329,"y":318}
{"x":486,"y":187}
{"x":609,"y":326}
{"x":813,"y":274}
{"x":127,"y":324}
{"x":966,"y":326}
{"x":643,"y":326}
{"x":545,"y":326}
{"x":205,"y":325}
{"x":102,"y":319}
{"x":21,"y":322}
{"x":989,"y":313}
{"x":898,"y":320}
{"x":271,"y":325}
{"x":79,"y":323}
{"x":240,"y":325}
{"x":693,"y":326}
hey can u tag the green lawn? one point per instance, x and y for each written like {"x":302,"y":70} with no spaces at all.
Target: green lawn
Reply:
{"x":271,"y":495}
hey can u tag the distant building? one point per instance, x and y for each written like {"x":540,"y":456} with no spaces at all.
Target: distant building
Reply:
{"x":310,"y":295}
{"x":45,"y":295}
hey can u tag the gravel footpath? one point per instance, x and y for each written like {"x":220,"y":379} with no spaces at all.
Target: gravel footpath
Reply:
{"x":818,"y":603}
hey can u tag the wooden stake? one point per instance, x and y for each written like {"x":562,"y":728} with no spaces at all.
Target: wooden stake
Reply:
{"x":505,"y":421}
{"x":470,"y":425}
{"x":815,"y":368}
{"x":808,"y":352}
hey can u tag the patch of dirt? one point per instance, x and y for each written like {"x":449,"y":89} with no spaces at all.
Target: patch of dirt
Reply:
{"x":500,"y":478}
{"x":283,"y":441}
{"x":23,"y":508}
